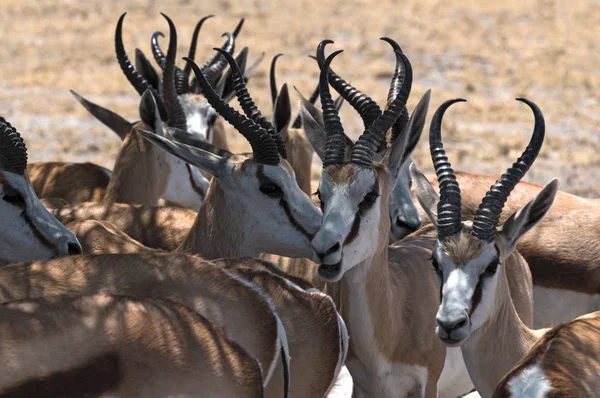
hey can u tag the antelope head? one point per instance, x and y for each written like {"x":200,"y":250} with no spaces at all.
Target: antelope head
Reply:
{"x":469,"y":257}
{"x":260,"y":187}
{"x":404,"y":216}
{"x":29,"y":231}
{"x":354,"y":192}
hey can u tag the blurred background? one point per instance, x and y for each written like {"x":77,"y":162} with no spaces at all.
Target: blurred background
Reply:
{"x":486,"y":52}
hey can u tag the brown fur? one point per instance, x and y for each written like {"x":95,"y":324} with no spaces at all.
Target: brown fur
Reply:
{"x":71,"y":182}
{"x":463,"y":247}
{"x":95,"y":345}
{"x":569,"y":357}
{"x":561,"y":250}
{"x":244,"y":312}
{"x":299,"y":155}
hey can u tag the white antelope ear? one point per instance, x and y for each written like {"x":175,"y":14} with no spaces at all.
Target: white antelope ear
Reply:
{"x":528,"y":216}
{"x":210,"y":162}
{"x":427,"y":196}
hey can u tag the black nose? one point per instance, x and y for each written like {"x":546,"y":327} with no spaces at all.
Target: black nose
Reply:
{"x":329,"y":251}
{"x":409,"y":226}
{"x":449,"y":326}
{"x":74,"y":248}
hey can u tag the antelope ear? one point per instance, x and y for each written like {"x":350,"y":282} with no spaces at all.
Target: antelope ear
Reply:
{"x":528,"y":216}
{"x":427,"y":196}
{"x":404,"y":145}
{"x":282,"y":113}
{"x":207,"y":161}
{"x":110,"y":119}
{"x":314,"y":127}
{"x":149,"y":113}
{"x":146,"y":69}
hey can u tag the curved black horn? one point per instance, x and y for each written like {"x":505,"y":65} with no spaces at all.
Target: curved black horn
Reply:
{"x":248,"y":105}
{"x":374,"y":136}
{"x":335,"y":141}
{"x":181,"y":80}
{"x":133,"y":76}
{"x":398,"y":80}
{"x":449,"y":206}
{"x":264,"y":148}
{"x":13,"y":152}
{"x":488,"y":213}
{"x":272,"y":80}
{"x":175,"y":110}
{"x":364,"y":105}
{"x":192,"y":52}
{"x":213,"y":71}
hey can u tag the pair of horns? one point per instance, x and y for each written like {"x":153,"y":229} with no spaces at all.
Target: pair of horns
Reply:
{"x":212,"y":69}
{"x":267,"y":145}
{"x":169,"y":107}
{"x":377,"y":123}
{"x":488,"y":214}
{"x":363,"y":104}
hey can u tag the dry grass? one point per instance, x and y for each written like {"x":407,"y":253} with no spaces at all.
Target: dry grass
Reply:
{"x":488,"y":53}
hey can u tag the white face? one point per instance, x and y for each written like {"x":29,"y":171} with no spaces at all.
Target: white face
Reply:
{"x":200,"y":116}
{"x":404,"y":216}
{"x":29,"y":232}
{"x":279,"y":218}
{"x":468,"y":289}
{"x":350,"y":197}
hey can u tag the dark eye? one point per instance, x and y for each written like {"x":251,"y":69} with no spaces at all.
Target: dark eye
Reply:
{"x":212,"y":120}
{"x":369,"y":200}
{"x":270,"y":189}
{"x":492,"y":267}
{"x":436,"y":266}
{"x":13,"y":197}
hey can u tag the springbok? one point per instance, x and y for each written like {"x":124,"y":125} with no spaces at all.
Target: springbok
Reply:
{"x":104,"y":345}
{"x":474,"y":260}
{"x":243,"y":310}
{"x":29,"y":231}
{"x":379,"y":295}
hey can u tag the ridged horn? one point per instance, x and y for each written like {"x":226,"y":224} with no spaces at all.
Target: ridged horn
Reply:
{"x":374,"y":136}
{"x":182,"y":85}
{"x":273,"y":80}
{"x":13,"y":152}
{"x":488,"y":213}
{"x":398,"y":80}
{"x":133,"y":76}
{"x":192,"y":52}
{"x":248,"y":105}
{"x":449,"y":206}
{"x":364,"y":105}
{"x":177,"y":117}
{"x":335,"y":141}
{"x":264,"y":148}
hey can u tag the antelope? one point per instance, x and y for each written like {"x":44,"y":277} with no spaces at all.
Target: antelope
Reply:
{"x":474,"y":260}
{"x":29,"y":231}
{"x":105,"y":345}
{"x":354,"y":197}
{"x":385,"y":282}
{"x":243,"y":310}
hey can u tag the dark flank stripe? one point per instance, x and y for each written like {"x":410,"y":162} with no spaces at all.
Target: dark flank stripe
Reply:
{"x":98,"y":376}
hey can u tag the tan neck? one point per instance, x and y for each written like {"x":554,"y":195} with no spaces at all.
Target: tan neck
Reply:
{"x":219,"y":229}
{"x":495,"y":348}
{"x":300,"y":157}
{"x":140,"y":173}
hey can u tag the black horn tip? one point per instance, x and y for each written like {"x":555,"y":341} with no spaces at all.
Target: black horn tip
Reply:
{"x":239,"y":26}
{"x":156,"y":34}
{"x":393,"y":43}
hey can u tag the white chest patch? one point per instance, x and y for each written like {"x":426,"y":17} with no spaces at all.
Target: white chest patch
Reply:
{"x":531,"y":383}
{"x":454,"y":380}
{"x":554,"y":306}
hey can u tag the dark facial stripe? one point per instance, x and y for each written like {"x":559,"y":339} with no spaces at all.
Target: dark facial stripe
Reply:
{"x":195,"y":187}
{"x":354,"y":230}
{"x":98,"y":376}
{"x":476,"y":298}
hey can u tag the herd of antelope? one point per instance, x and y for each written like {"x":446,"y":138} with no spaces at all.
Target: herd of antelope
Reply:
{"x":192,"y":271}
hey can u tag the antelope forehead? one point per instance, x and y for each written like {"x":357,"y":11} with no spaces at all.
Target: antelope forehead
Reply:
{"x":465,"y":252}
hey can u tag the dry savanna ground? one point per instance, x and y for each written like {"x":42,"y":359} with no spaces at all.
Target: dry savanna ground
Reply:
{"x":487,"y":52}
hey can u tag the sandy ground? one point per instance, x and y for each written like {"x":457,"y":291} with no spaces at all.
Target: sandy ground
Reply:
{"x":545,"y":50}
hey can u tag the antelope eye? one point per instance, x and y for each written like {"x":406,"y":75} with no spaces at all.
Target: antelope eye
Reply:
{"x":271,"y":190}
{"x":492,"y":267}
{"x":212,"y":120}
{"x":436,"y":266}
{"x":13,"y":197}
{"x":368,"y":200}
